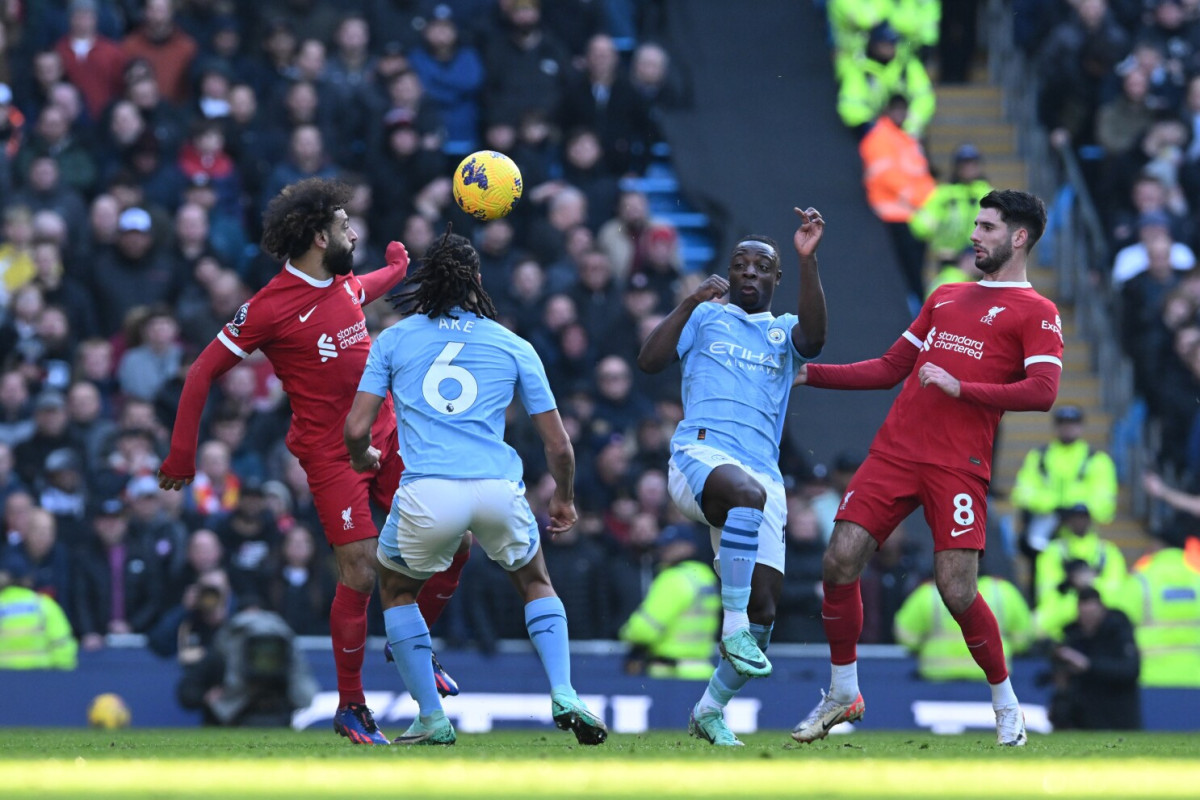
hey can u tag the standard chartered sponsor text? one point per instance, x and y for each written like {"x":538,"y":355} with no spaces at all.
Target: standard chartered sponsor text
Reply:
{"x":959,"y":344}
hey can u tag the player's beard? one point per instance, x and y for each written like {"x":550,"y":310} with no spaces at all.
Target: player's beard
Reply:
{"x":995,"y":261}
{"x":339,"y":261}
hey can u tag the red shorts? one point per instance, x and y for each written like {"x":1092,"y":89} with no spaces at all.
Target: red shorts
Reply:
{"x":342,"y":496}
{"x":885,"y":490}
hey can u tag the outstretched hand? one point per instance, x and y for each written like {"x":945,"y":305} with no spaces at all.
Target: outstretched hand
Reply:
{"x":808,"y":235}
{"x":397,"y":257}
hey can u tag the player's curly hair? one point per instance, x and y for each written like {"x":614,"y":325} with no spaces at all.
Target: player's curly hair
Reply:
{"x":300,"y":212}
{"x":448,"y":277}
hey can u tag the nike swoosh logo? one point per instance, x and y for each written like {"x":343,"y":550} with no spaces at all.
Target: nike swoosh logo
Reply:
{"x":354,"y":650}
{"x":755,"y":664}
{"x":443,"y":596}
{"x":304,"y":317}
{"x":943,"y":303}
{"x":960,"y":533}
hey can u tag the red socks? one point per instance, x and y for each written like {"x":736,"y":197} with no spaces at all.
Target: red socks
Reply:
{"x":842,"y":614}
{"x":982,"y":634}
{"x":348,"y":628}
{"x":438,"y":590}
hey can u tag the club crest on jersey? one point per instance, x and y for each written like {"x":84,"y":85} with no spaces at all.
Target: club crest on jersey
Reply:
{"x":776,"y":336}
{"x":357,"y":299}
{"x":990,"y":316}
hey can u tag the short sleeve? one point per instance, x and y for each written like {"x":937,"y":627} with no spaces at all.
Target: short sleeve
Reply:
{"x":377,"y":375}
{"x":532,"y":385}
{"x":691,"y":329}
{"x":252,"y":326}
{"x":1041,"y":337}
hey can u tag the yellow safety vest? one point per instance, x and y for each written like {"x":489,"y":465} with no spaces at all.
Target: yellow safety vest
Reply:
{"x":1163,"y":602}
{"x":34,"y":632}
{"x":677,"y":622}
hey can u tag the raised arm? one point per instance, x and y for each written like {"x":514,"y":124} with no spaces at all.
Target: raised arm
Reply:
{"x":808,"y":336}
{"x":659,"y":348}
{"x":357,"y":431}
{"x":179,"y":467}
{"x":376,"y":284}
{"x":560,"y":457}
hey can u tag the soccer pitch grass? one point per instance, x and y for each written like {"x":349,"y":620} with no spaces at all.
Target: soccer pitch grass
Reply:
{"x":225,"y":764}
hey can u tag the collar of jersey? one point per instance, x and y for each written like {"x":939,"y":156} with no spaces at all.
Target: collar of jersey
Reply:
{"x":309,"y":279}
{"x":1006,"y":284}
{"x":738,"y":311}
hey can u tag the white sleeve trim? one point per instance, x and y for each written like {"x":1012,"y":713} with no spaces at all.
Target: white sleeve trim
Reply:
{"x":912,"y":338}
{"x":237,"y":351}
{"x":1044,"y":360}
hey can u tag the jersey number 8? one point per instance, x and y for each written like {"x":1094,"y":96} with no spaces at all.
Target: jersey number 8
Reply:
{"x":442,"y":370}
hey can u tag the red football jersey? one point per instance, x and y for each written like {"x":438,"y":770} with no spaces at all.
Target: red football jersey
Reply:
{"x":985,"y":332}
{"x":315,"y":335}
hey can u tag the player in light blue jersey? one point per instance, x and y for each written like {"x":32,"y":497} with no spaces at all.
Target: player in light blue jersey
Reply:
{"x":452,"y":371}
{"x":738,"y":364}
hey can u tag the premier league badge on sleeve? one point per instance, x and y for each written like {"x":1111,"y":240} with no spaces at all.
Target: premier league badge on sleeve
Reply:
{"x":239,"y":319}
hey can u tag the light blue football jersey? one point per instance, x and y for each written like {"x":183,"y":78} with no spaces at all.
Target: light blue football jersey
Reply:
{"x":451,"y":382}
{"x":737,"y":376}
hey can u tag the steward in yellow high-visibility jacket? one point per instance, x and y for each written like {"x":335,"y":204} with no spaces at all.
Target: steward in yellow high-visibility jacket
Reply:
{"x":850,"y":22}
{"x":673,"y":631}
{"x":1076,"y":541}
{"x":947,"y":218}
{"x":1163,"y":600}
{"x":868,"y":82}
{"x":34,"y":632}
{"x":926,"y":627}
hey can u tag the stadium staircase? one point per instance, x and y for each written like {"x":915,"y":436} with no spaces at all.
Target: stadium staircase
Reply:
{"x":975,"y":112}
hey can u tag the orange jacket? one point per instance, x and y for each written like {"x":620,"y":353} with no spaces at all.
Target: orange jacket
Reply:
{"x":895,"y":172}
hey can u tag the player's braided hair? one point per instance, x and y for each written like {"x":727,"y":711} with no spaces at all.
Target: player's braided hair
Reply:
{"x":300,"y":212}
{"x":448,"y":277}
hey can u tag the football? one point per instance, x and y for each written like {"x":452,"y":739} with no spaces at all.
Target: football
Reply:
{"x":487,"y":185}
{"x":108,"y":711}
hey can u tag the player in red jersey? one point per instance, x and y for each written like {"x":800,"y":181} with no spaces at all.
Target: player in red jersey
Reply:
{"x":309,"y":322}
{"x":979,"y":349}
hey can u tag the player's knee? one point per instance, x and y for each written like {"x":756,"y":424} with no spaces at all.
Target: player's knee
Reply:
{"x":748,"y":494}
{"x":956,"y":594}
{"x":837,"y":567}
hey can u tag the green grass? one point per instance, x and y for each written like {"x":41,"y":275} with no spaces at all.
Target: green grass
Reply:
{"x":226,"y":764}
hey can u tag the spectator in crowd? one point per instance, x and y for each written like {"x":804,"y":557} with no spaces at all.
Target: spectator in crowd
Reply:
{"x":40,"y":558}
{"x":302,"y":586}
{"x":10,"y":483}
{"x":671,"y":633}
{"x":1146,"y":199}
{"x":526,"y":67}
{"x":50,"y":433}
{"x":925,"y":627}
{"x":154,"y":521}
{"x":144,"y":369}
{"x":64,"y":494}
{"x":618,"y":237}
{"x":601,"y":97}
{"x":16,"y":424}
{"x":166,"y":47}
{"x":251,"y":539}
{"x":134,"y":274}
{"x":34,"y":631}
{"x":1064,"y":471}
{"x":1077,"y":59}
{"x":1077,"y":557}
{"x":452,"y":75}
{"x":117,"y":584}
{"x":52,"y":137}
{"x":16,"y":252}
{"x":1095,"y":670}
{"x":91,"y":60}
{"x":63,"y":290}
{"x":1154,"y":232}
{"x":1122,"y":121}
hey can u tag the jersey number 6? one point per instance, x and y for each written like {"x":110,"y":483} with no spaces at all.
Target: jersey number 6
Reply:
{"x":442,"y":370}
